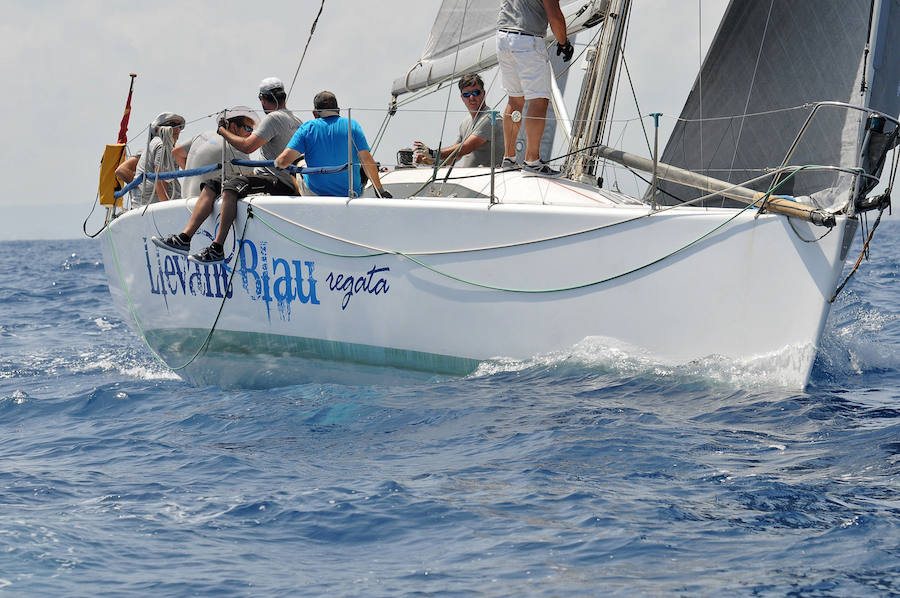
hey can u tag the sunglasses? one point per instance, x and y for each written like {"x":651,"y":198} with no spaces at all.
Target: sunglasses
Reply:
{"x":247,"y":128}
{"x":474,"y":92}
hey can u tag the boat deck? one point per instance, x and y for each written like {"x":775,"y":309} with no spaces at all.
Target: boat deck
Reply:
{"x":510,"y":187}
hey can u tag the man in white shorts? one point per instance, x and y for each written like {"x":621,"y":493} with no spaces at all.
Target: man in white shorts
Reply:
{"x":525,"y":73}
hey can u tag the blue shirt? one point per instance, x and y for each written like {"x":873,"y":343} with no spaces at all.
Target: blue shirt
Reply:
{"x":324,"y":143}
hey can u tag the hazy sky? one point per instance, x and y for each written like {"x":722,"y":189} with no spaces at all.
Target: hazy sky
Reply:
{"x":65,"y":70}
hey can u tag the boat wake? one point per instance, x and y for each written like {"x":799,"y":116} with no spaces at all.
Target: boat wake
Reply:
{"x":853,"y":343}
{"x":782,"y":369}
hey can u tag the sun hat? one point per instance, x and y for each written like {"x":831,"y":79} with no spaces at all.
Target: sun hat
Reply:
{"x":237,"y":111}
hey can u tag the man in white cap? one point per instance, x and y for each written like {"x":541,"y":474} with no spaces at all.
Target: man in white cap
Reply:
{"x":270,"y":137}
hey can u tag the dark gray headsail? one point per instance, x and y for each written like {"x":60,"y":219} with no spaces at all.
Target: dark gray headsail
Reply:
{"x":768,"y":58}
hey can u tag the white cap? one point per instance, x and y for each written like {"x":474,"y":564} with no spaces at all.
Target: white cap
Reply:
{"x":244,"y":111}
{"x":270,"y":83}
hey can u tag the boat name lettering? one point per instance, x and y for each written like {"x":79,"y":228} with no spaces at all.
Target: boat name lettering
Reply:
{"x":253,"y":270}
{"x":350,"y":284}
{"x":174,"y":274}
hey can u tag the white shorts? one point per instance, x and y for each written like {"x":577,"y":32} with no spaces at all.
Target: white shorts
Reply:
{"x":524,"y":65}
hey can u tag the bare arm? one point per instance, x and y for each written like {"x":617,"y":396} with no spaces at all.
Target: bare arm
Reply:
{"x":125,"y":171}
{"x":287,"y":157}
{"x":180,"y":155}
{"x":161,"y":191}
{"x":471,"y":143}
{"x":557,"y":20}
{"x":368,"y":164}
{"x":248,"y":145}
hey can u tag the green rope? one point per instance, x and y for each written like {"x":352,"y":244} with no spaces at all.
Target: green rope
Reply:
{"x":419,"y":262}
{"x":205,"y":344}
{"x":409,"y":256}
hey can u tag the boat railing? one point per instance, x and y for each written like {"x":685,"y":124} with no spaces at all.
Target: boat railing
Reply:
{"x":864,"y":180}
{"x":818,"y":106}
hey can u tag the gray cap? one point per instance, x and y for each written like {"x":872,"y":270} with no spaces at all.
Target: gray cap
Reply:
{"x":166,"y":119}
{"x":325,"y":104}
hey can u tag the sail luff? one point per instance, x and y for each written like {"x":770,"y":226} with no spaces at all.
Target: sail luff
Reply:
{"x":446,"y":57}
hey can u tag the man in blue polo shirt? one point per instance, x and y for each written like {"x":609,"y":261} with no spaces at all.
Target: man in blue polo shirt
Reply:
{"x":323,"y":142}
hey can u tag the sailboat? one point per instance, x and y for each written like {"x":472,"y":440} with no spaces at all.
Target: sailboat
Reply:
{"x":735,"y":251}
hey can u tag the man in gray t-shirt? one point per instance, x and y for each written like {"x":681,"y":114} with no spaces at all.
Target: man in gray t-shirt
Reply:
{"x":476,"y":141}
{"x":271,"y":136}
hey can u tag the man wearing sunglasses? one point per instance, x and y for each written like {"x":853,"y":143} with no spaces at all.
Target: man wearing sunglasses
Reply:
{"x":473,"y":146}
{"x":206,"y":148}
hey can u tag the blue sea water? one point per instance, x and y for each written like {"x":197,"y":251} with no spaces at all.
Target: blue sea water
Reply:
{"x":586,"y":474}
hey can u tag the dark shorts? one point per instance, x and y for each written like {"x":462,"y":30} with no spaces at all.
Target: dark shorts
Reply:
{"x":214,"y":184}
{"x":244,"y":185}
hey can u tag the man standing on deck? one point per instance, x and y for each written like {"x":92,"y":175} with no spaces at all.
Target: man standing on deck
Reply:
{"x":525,"y":73}
{"x":270,"y":137}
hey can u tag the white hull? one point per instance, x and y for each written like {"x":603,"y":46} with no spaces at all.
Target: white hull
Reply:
{"x":679,"y":285}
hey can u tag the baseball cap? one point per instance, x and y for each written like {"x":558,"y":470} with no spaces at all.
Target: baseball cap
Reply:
{"x":270,"y":83}
{"x":326,"y":104}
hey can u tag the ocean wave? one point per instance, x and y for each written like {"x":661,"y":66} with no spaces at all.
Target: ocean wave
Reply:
{"x":780,"y":369}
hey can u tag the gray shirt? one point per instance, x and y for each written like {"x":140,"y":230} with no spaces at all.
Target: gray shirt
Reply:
{"x":277,"y":128}
{"x":146,"y":192}
{"x":206,"y":149}
{"x":527,"y":16}
{"x":481,"y":156}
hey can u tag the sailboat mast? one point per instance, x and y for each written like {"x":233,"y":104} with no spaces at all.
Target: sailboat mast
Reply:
{"x":596,"y":93}
{"x":871,"y":57}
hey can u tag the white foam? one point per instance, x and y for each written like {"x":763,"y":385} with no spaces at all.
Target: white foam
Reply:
{"x":784,"y":368}
{"x":103,"y":324}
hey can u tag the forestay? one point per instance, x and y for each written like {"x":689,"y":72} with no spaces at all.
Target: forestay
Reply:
{"x":767,"y":59}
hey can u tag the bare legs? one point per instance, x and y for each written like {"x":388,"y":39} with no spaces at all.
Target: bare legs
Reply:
{"x":511,"y":128}
{"x":229,"y":211}
{"x":534,"y":127}
{"x":202,"y":210}
{"x":204,"y":207}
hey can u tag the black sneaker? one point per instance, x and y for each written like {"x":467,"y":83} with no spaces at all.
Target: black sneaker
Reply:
{"x":508,"y":163}
{"x":210,"y":255}
{"x":540,"y":169}
{"x":172,"y":243}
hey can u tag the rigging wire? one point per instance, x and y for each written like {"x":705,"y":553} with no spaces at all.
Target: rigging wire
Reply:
{"x":312,"y":30}
{"x":762,"y":41}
